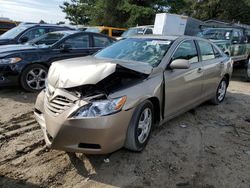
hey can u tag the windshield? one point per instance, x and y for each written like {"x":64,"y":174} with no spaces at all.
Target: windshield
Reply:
{"x":93,"y":29}
{"x":150,"y":51}
{"x":217,"y":34}
{"x":11,"y":34}
{"x":47,"y":39}
{"x":132,"y":32}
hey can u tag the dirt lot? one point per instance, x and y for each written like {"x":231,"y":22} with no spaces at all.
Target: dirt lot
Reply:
{"x":206,"y":147}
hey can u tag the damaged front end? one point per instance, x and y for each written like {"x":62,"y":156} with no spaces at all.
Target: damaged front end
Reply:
{"x":72,"y":114}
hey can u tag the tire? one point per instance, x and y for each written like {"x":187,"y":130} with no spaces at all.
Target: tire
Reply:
{"x":220,"y":92}
{"x":33,"y":77}
{"x":247,"y":70}
{"x":135,"y":140}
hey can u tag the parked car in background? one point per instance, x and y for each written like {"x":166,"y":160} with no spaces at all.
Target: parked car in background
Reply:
{"x":110,"y":31}
{"x":28,"y":64}
{"x":233,"y":41}
{"x":25,"y":32}
{"x":100,"y":103}
{"x":6,"y":25}
{"x":140,"y":30}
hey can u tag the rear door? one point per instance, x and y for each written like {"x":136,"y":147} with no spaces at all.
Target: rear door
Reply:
{"x":79,"y":45}
{"x":99,"y":42}
{"x":183,"y":87}
{"x":212,"y":61}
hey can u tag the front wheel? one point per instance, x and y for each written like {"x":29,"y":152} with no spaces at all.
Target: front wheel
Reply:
{"x":220,"y":92}
{"x":33,"y":77}
{"x":140,"y":127}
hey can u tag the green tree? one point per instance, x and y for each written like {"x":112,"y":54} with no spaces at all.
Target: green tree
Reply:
{"x":127,"y":13}
{"x":122,"y":13}
{"x":78,"y":11}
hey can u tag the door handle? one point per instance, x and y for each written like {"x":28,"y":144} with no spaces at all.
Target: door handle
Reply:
{"x":200,"y":70}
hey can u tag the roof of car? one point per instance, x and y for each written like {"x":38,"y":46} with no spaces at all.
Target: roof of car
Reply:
{"x":37,"y":24}
{"x":71,"y":32}
{"x":156,"y":37}
{"x":166,"y":37}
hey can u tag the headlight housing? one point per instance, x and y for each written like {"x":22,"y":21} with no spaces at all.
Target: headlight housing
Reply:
{"x":101,"y":108}
{"x":11,"y":60}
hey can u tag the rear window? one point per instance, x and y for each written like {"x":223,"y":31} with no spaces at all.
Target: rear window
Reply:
{"x":100,"y":41}
{"x":116,"y":32}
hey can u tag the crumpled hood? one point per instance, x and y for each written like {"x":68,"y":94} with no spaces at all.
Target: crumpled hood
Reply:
{"x":88,"y":70}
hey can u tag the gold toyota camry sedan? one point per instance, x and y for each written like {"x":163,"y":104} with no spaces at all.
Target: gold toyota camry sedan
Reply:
{"x":98,"y":104}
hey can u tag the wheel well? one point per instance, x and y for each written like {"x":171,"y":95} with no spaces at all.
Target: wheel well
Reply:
{"x":157,"y":112}
{"x":227,"y":77}
{"x":25,"y":67}
{"x":43,"y":64}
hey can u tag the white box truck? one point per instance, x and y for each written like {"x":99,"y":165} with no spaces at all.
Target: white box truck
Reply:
{"x":173,"y":24}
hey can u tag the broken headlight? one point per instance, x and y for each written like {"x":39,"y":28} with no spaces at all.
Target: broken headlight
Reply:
{"x":101,"y":108}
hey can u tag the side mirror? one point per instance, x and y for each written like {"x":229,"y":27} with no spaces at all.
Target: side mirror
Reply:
{"x":24,"y":39}
{"x":65,"y":47}
{"x":180,"y":64}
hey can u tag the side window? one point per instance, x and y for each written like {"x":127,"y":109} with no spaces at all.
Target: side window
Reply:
{"x":207,"y":51}
{"x":116,"y":32}
{"x":236,"y":37}
{"x":187,"y":50}
{"x":35,"y":33}
{"x":217,"y":53}
{"x":100,"y":41}
{"x":149,"y":31}
{"x":78,"y":42}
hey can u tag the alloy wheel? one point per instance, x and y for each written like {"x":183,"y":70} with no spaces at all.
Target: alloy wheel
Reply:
{"x":222,"y":90}
{"x":35,"y":78}
{"x":144,"y":125}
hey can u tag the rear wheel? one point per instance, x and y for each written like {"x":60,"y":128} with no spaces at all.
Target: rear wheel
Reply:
{"x":33,"y":77}
{"x":140,"y":127}
{"x":220,"y":92}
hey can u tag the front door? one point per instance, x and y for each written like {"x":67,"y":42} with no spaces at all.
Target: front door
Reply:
{"x":183,"y":87}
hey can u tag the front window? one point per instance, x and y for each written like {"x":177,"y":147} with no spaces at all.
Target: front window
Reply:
{"x":11,"y":34}
{"x":47,"y":39}
{"x":35,"y":33}
{"x":216,"y":34}
{"x":150,"y":51}
{"x":186,"y":50}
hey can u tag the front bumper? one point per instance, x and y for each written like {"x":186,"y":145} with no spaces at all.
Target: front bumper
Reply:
{"x":8,"y":75}
{"x":87,"y":135}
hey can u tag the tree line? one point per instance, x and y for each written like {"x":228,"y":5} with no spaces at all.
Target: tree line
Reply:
{"x":127,"y":13}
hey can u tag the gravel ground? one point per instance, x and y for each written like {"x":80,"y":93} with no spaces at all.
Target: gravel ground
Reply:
{"x":206,"y":147}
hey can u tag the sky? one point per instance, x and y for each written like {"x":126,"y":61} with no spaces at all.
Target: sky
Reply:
{"x":32,"y":10}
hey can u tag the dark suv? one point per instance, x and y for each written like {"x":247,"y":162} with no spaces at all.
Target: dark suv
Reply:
{"x":28,"y":63}
{"x":25,"y":32}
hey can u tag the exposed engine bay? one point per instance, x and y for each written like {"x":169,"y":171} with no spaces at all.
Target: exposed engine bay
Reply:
{"x":122,"y":78}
